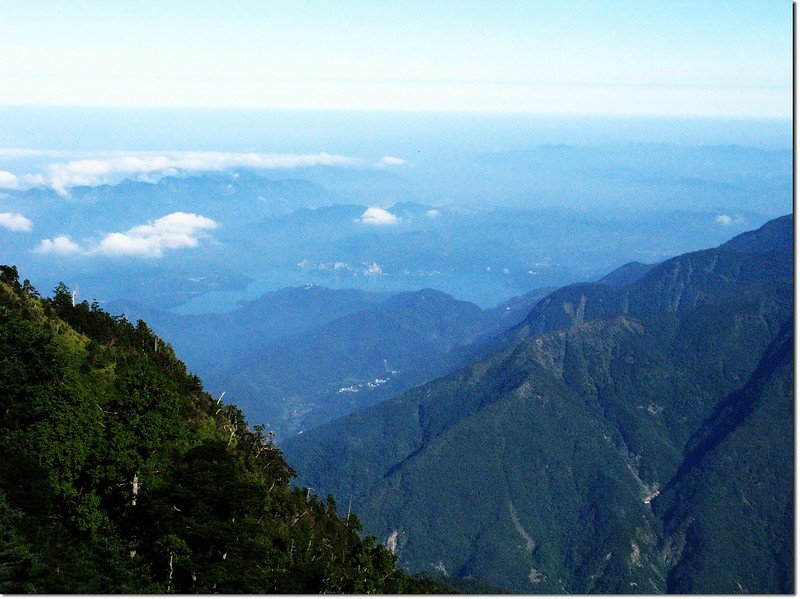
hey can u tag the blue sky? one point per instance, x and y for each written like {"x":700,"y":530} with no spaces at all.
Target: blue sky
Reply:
{"x":646,"y":57}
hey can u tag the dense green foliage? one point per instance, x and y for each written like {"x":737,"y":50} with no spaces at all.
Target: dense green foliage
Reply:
{"x":633,"y":437}
{"x":739,"y":539}
{"x":119,"y":474}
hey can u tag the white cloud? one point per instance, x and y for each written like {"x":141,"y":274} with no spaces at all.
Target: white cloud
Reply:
{"x":170,"y":232}
{"x":13,"y":221}
{"x":29,"y":180}
{"x":62,"y":176}
{"x":391,"y":161}
{"x":111,"y":168}
{"x":724,"y":219}
{"x":61,"y":245}
{"x":174,"y":231}
{"x":8,"y":180}
{"x":433,"y":213}
{"x":378,"y":216}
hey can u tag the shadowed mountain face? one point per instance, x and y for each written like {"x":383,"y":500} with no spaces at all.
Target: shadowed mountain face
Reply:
{"x":611,"y":444}
{"x":337,"y":367}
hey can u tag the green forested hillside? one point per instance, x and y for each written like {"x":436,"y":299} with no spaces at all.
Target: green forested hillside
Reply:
{"x":632,"y":438}
{"x":729,"y":512}
{"x":119,"y":474}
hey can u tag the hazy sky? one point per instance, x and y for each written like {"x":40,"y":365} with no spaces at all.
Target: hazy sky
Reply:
{"x":670,"y":57}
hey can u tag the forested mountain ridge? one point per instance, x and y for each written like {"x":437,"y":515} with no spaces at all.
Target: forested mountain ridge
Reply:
{"x":611,"y":444}
{"x":679,"y":284}
{"x":119,"y":474}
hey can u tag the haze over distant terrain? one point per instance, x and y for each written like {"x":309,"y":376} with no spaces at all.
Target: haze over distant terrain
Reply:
{"x":482,"y":152}
{"x":483,"y":208}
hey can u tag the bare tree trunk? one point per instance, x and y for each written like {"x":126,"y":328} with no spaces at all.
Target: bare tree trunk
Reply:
{"x":169,"y":583}
{"x":134,"y":488}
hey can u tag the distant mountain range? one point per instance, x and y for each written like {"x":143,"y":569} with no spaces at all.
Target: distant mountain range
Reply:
{"x":291,"y":227}
{"x":632,"y":435}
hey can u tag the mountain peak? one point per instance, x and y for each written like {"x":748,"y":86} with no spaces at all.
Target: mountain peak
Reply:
{"x":774,"y":235}
{"x":626,"y":274}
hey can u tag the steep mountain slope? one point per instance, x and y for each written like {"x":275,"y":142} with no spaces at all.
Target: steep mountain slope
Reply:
{"x":774,"y":235}
{"x":121,"y":475}
{"x":535,"y":470}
